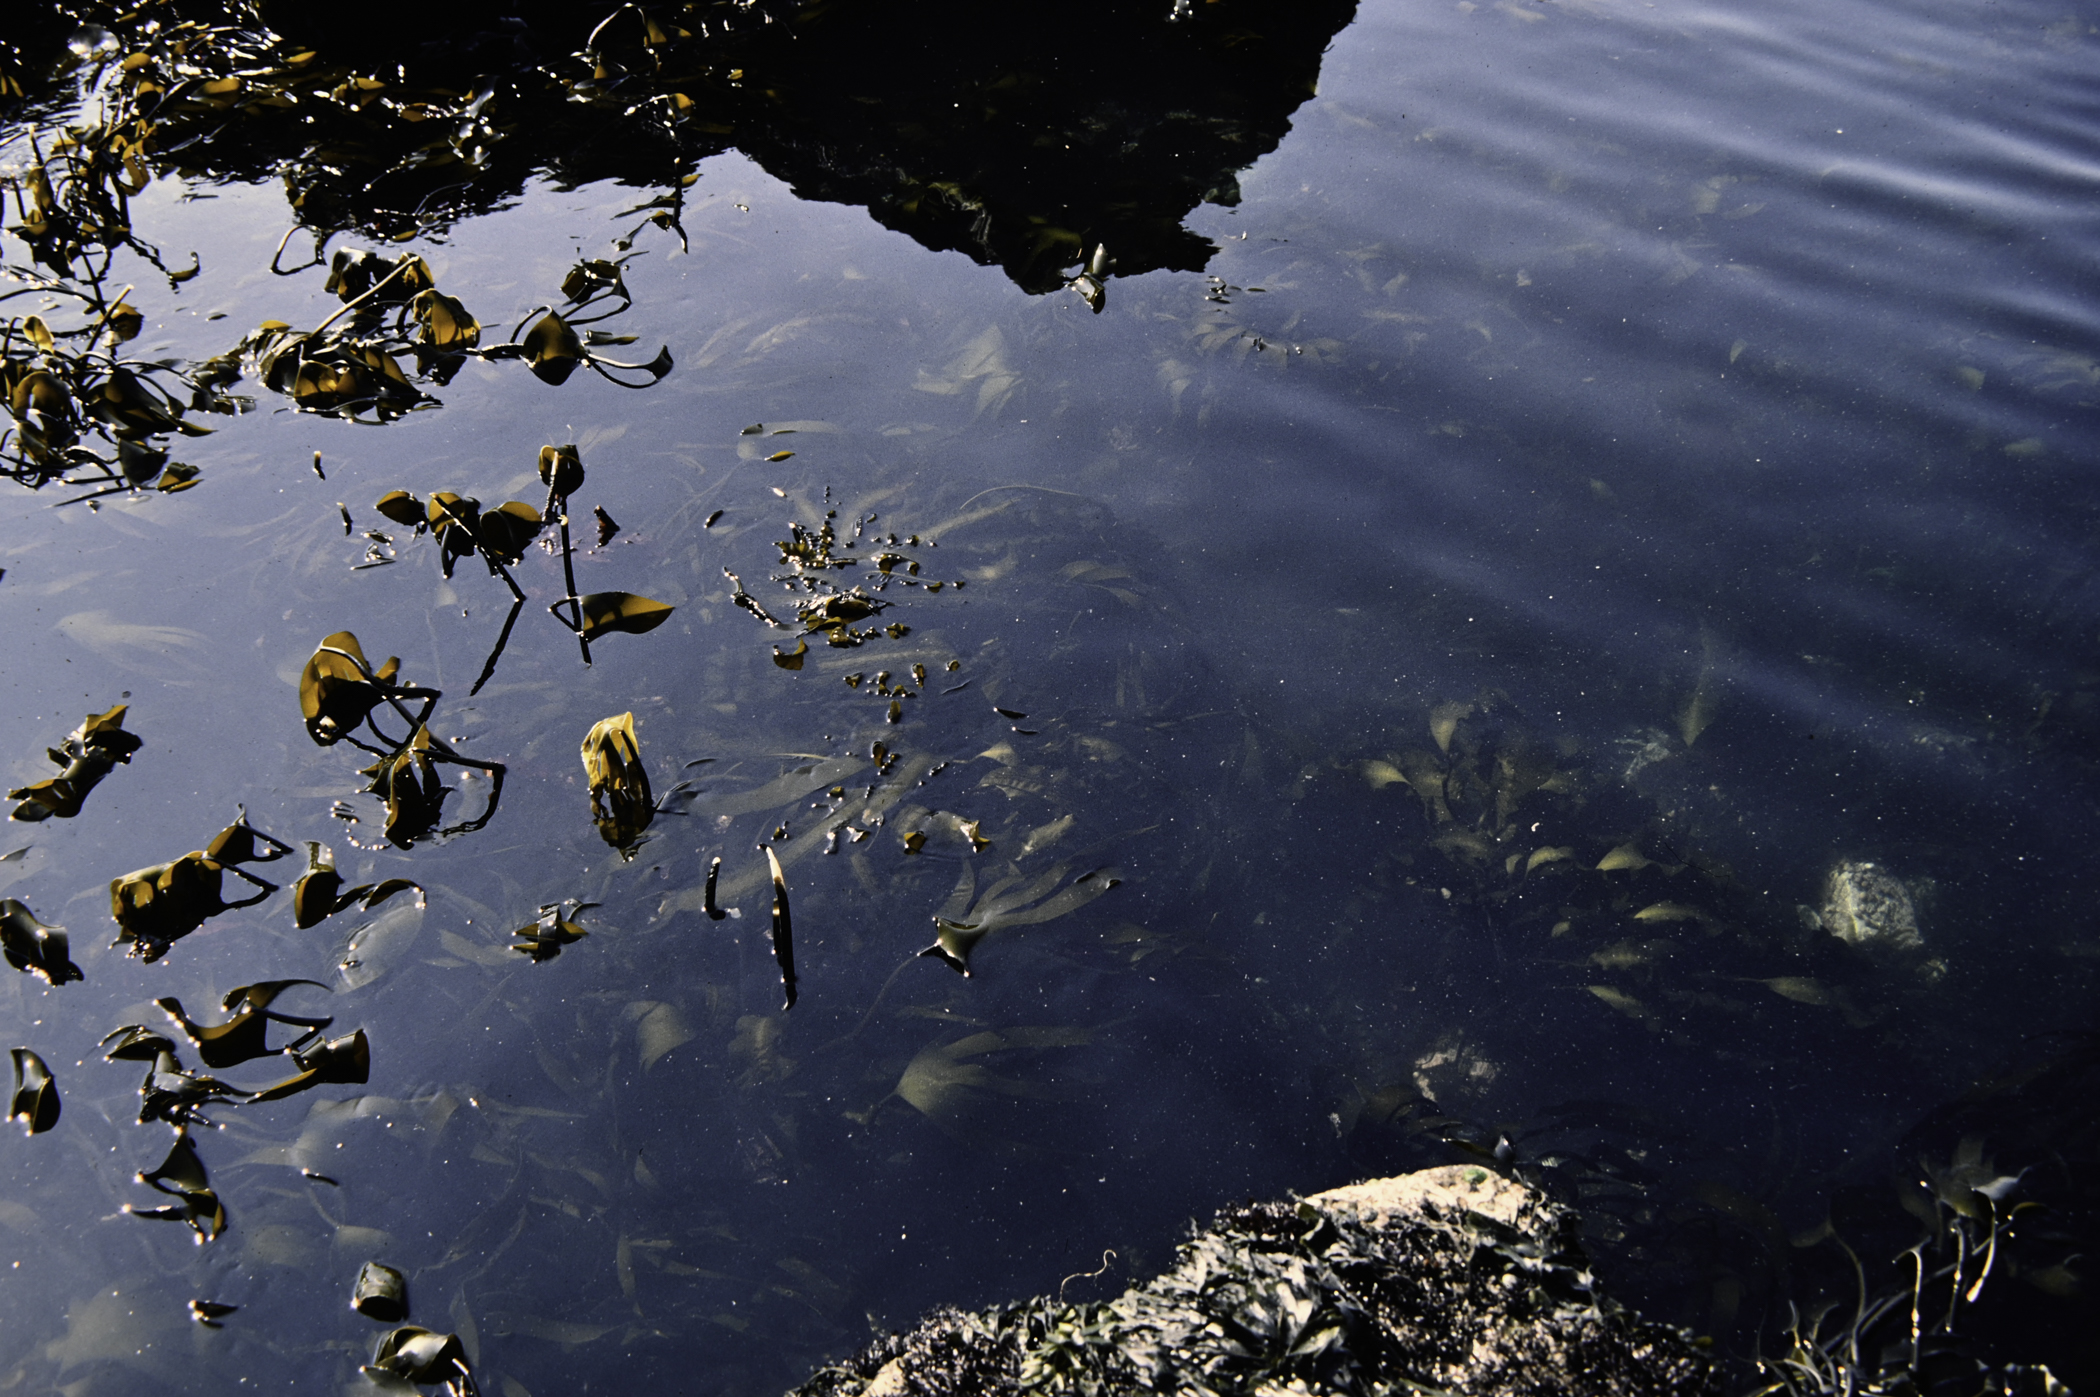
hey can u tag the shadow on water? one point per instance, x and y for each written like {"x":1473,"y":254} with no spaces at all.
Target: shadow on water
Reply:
{"x":1023,"y":146}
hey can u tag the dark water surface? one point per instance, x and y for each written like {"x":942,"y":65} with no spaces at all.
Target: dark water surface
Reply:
{"x":1599,"y":424}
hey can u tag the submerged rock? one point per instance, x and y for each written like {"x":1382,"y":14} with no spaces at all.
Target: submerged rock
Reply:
{"x":1865,"y":905}
{"x":1454,"y":1280}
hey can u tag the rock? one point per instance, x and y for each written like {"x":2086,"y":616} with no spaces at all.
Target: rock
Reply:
{"x":1866,"y":906}
{"x":1457,"y":1280}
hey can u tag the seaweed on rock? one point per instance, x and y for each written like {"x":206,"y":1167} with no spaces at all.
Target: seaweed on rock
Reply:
{"x":1450,"y":1280}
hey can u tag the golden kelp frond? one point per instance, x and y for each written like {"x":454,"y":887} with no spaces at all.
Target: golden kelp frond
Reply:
{"x":621,"y":802}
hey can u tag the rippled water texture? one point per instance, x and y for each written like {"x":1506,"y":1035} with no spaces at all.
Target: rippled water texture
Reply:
{"x":1658,"y":436}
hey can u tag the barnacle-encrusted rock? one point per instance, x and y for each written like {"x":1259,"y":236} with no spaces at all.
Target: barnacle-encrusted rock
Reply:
{"x":1453,"y":1280}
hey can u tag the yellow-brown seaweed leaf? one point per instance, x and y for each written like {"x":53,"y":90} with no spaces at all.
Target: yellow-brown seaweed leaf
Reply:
{"x":553,"y":349}
{"x":622,"y":804}
{"x":604,"y":612}
{"x":339,"y":688}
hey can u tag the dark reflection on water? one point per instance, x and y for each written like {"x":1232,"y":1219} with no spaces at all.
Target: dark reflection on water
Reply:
{"x":1665,"y":427}
{"x":1024,"y":146}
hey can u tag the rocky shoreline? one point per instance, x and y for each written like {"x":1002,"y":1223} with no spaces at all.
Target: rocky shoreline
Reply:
{"x":1452,"y":1280}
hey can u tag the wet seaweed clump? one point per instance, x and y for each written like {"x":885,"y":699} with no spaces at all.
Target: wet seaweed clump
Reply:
{"x":1451,"y":1280}
{"x":83,"y":412}
{"x":500,"y":536}
{"x":351,"y":365}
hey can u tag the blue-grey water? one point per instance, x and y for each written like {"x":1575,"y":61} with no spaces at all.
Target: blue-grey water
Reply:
{"x":1664,"y":424}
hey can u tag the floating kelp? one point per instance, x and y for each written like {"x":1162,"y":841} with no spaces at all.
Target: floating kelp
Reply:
{"x":34,"y":1101}
{"x":500,"y":536}
{"x":157,"y":906}
{"x":169,"y":1092}
{"x":601,"y":613}
{"x":407,"y":782}
{"x":340,"y":376}
{"x":448,"y":328}
{"x":413,"y":1355}
{"x":380,"y":1292}
{"x":89,"y":753}
{"x":561,"y":471}
{"x":345,"y":1061}
{"x":35,"y":948}
{"x":209,"y":1313}
{"x":136,"y":1043}
{"x":339,"y":688}
{"x":181,"y":1176}
{"x":622,"y":805}
{"x":714,"y":877}
{"x":243,"y":1036}
{"x":81,"y":414}
{"x":544,"y":938}
{"x":553,"y":349}
{"x":174,"y":1095}
{"x":319,"y":894}
{"x":783,"y":930}
{"x":834,"y":612}
{"x":350,"y":366}
{"x":339,"y":692}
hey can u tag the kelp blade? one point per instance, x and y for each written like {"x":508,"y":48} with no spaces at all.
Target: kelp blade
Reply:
{"x":604,"y":612}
